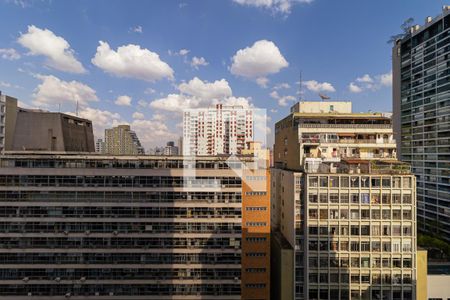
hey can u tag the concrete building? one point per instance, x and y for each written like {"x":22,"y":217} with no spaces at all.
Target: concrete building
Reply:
{"x":171,"y":149}
{"x":38,"y":130}
{"x":8,"y":108}
{"x":121,"y":140}
{"x":344,"y":204}
{"x":421,"y":93}
{"x":217,"y":130}
{"x":100,"y":146}
{"x":92,"y":226}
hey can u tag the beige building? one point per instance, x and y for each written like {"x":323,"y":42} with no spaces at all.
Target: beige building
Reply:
{"x":121,"y":140}
{"x":344,"y":204}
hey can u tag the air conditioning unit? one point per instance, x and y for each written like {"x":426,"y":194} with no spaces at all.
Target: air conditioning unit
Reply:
{"x":83,"y":279}
{"x":57,"y":279}
{"x":25,"y":279}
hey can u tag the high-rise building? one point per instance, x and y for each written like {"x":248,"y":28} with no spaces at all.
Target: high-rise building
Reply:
{"x":343,"y":208}
{"x":217,"y":130}
{"x":100,"y":146}
{"x":133,"y":227}
{"x":421,"y":93}
{"x":121,"y":140}
{"x":170,"y":149}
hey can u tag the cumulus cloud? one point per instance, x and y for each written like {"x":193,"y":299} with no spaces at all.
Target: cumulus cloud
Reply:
{"x":197,"y":93}
{"x":317,"y":87}
{"x":353,"y":88}
{"x":101,"y":119}
{"x":9,"y":85}
{"x":123,"y":100}
{"x":181,"y":52}
{"x":149,"y":91}
{"x":9,"y":54}
{"x":277,"y":6}
{"x":218,"y":89}
{"x":138,"y":115}
{"x":370,"y":83}
{"x":56,"y":49}
{"x":282,"y":86}
{"x":54,"y":91}
{"x":142,"y":103}
{"x":152,"y":132}
{"x":131,"y":61}
{"x":386,"y":79}
{"x":198,"y":61}
{"x":365,"y":78}
{"x":282,"y":100}
{"x":261,"y":59}
{"x":262,"y":81}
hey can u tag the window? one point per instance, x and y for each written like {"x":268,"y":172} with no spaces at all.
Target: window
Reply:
{"x":334,"y":214}
{"x":396,"y":199}
{"x":406,"y":199}
{"x":344,"y":213}
{"x":344,"y":181}
{"x":365,"y":214}
{"x":313,"y":198}
{"x":354,"y":214}
{"x":323,"y":198}
{"x":313,"y":181}
{"x":354,"y":229}
{"x":323,"y":214}
{"x":334,"y":198}
{"x":386,"y":214}
{"x":323,"y":181}
{"x":376,"y":214}
{"x":313,"y":213}
{"x":376,"y":230}
{"x":344,"y":198}
{"x":354,"y":198}
{"x":375,"y":199}
{"x":407,"y":215}
{"x":386,"y":198}
{"x":365,"y":230}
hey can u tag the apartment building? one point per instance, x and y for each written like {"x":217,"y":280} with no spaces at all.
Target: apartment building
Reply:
{"x":80,"y":226}
{"x":170,"y":149}
{"x":217,"y":130}
{"x":421,"y":106}
{"x":100,"y":146}
{"x":8,"y":108}
{"x":121,"y":140}
{"x":344,"y":206}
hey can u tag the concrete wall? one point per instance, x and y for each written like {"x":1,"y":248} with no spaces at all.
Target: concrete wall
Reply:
{"x":282,"y":269}
{"x":10,"y":121}
{"x":438,"y":286}
{"x":422,"y":270}
{"x":396,"y":96}
{"x":322,"y":107}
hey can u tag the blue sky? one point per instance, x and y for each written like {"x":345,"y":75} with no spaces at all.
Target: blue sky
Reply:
{"x":158,"y":57}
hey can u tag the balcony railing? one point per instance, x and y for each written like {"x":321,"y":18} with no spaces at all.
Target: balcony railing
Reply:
{"x":356,"y":126}
{"x":347,"y":141}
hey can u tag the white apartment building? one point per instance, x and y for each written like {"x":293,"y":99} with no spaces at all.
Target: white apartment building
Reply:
{"x":217,"y":130}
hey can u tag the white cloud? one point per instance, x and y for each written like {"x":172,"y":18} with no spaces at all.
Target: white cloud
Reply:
{"x":282,"y":86}
{"x":278,"y":6}
{"x":386,"y":79}
{"x":371,"y":83}
{"x":137,"y":29}
{"x":152,"y":132}
{"x":198,"y":61}
{"x":142,"y":103}
{"x":317,"y":87}
{"x":9,"y":54}
{"x":262,"y":81}
{"x":54,"y":91}
{"x":55,"y":48}
{"x":259,"y":60}
{"x":282,"y":100}
{"x":181,"y":52}
{"x":149,"y":91}
{"x":138,"y":115}
{"x":365,"y":78}
{"x":101,"y":119}
{"x":274,"y":110}
{"x":9,"y":85}
{"x":218,"y":89}
{"x":197,"y":93}
{"x":131,"y":61}
{"x":353,"y":88}
{"x":123,"y":100}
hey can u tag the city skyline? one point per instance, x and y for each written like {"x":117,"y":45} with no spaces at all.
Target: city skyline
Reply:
{"x":47,"y":63}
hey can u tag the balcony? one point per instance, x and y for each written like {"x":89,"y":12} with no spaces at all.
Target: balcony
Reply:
{"x":351,"y":126}
{"x":347,"y":141}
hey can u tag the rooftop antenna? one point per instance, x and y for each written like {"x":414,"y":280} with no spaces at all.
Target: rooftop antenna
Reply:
{"x":300,"y":87}
{"x":77,"y":109}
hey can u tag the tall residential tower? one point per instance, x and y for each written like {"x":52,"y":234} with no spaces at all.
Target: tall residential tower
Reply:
{"x":421,"y":93}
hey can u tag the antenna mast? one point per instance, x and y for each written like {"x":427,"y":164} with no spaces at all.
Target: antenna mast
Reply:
{"x":77,"y":109}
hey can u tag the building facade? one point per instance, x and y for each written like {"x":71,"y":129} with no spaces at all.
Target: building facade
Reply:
{"x":121,"y":140}
{"x":100,"y":146}
{"x":8,"y":109}
{"x":344,"y":204}
{"x":133,"y":227}
{"x":170,"y":149}
{"x":421,"y":93}
{"x":217,"y":130}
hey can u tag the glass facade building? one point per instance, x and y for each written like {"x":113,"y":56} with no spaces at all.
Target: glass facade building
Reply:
{"x":421,"y":106}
